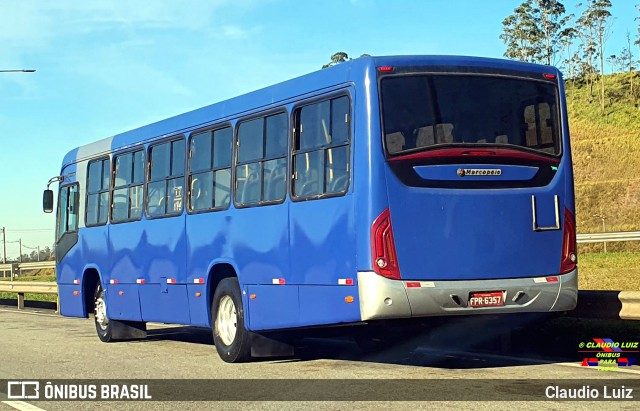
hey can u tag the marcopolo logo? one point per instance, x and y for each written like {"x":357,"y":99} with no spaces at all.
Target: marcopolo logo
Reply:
{"x":462,"y":172}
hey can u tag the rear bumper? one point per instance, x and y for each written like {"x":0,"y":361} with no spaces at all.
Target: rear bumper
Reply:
{"x":382,"y":298}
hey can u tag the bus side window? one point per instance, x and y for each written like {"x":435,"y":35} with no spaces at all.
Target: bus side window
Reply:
{"x":166,"y":178}
{"x":67,"y":210}
{"x":262,"y":162}
{"x":128,"y":183}
{"x":210,"y":169}
{"x":321,"y":156}
{"x":97,"y":192}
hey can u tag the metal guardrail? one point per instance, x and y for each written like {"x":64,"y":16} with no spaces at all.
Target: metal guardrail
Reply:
{"x":608,"y":237}
{"x":22,"y":287}
{"x":28,"y":266}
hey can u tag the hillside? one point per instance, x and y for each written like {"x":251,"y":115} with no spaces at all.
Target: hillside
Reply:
{"x":606,"y":155}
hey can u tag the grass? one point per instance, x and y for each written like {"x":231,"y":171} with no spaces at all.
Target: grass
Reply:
{"x":606,"y":156}
{"x":29,"y":296}
{"x":611,"y":271}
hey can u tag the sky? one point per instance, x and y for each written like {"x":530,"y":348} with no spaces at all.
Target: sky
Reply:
{"x":105,"y":67}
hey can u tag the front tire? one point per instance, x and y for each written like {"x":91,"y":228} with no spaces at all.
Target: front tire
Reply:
{"x":104,"y":327}
{"x":230,"y":336}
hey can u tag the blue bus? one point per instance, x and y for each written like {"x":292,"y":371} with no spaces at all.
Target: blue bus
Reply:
{"x":378,"y":189}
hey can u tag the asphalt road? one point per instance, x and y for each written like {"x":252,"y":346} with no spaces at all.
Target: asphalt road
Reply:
{"x":38,"y":344}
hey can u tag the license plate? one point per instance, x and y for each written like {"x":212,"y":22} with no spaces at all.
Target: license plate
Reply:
{"x":486,"y":299}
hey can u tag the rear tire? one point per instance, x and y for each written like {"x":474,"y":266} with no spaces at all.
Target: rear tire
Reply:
{"x":230,"y":336}
{"x":104,"y":327}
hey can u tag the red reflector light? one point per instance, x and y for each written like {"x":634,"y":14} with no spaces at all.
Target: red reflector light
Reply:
{"x":552,"y":279}
{"x":412,"y":284}
{"x":383,"y":248}
{"x":569,"y":259}
{"x":549,"y":76}
{"x":385,"y":69}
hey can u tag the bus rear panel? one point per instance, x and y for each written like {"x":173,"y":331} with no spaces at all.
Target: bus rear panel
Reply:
{"x":480,"y":215}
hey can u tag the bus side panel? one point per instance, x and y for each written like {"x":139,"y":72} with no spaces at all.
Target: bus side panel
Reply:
{"x":70,"y":305}
{"x":128,"y":246}
{"x":260,"y":241}
{"x":164,"y":303}
{"x":274,"y":306}
{"x":123,"y":302}
{"x":329,"y":304}
{"x":198,"y":307}
{"x":323,"y":245}
{"x":94,"y":242}
{"x":164,"y":259}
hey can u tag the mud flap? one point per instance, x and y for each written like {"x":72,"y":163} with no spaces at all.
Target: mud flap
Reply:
{"x":128,"y":330}
{"x":269,"y":346}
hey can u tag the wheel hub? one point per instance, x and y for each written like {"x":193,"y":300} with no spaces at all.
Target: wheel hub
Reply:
{"x":101,"y":311}
{"x":227,"y":320}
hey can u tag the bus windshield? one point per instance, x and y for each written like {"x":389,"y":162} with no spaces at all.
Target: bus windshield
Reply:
{"x":428,"y":111}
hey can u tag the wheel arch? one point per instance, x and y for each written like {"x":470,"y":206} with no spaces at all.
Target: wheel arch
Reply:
{"x":219,"y":270}
{"x":90,"y":278}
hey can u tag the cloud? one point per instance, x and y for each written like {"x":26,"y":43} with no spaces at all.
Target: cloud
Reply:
{"x":37,"y":23}
{"x":237,"y":32}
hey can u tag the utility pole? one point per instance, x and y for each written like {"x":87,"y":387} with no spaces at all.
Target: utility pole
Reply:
{"x":20,"y":243}
{"x":38,"y":253}
{"x":4,"y":246}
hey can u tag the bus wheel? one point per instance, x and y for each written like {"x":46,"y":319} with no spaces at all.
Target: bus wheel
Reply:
{"x":103,"y":325}
{"x":231,"y":338}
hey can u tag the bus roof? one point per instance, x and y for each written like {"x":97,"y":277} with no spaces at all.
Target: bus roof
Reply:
{"x":279,"y":94}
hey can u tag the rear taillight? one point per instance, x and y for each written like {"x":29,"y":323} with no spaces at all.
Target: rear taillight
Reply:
{"x":383,"y":248}
{"x":569,"y":248}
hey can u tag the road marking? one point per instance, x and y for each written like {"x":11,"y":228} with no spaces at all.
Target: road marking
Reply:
{"x":22,"y":406}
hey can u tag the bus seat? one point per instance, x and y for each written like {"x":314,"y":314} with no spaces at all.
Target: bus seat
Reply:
{"x":444,"y":132}
{"x":275,"y":186}
{"x":251,"y":189}
{"x":425,"y":137}
{"x":395,"y":142}
{"x":502,"y":139}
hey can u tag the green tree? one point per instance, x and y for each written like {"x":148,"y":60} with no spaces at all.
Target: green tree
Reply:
{"x":595,"y":22}
{"x":535,"y":32}
{"x":521,"y":34}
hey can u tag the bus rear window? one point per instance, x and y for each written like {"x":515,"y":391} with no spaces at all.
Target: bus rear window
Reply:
{"x":425,"y":111}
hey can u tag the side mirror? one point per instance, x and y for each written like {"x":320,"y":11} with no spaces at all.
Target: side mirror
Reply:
{"x":47,"y":201}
